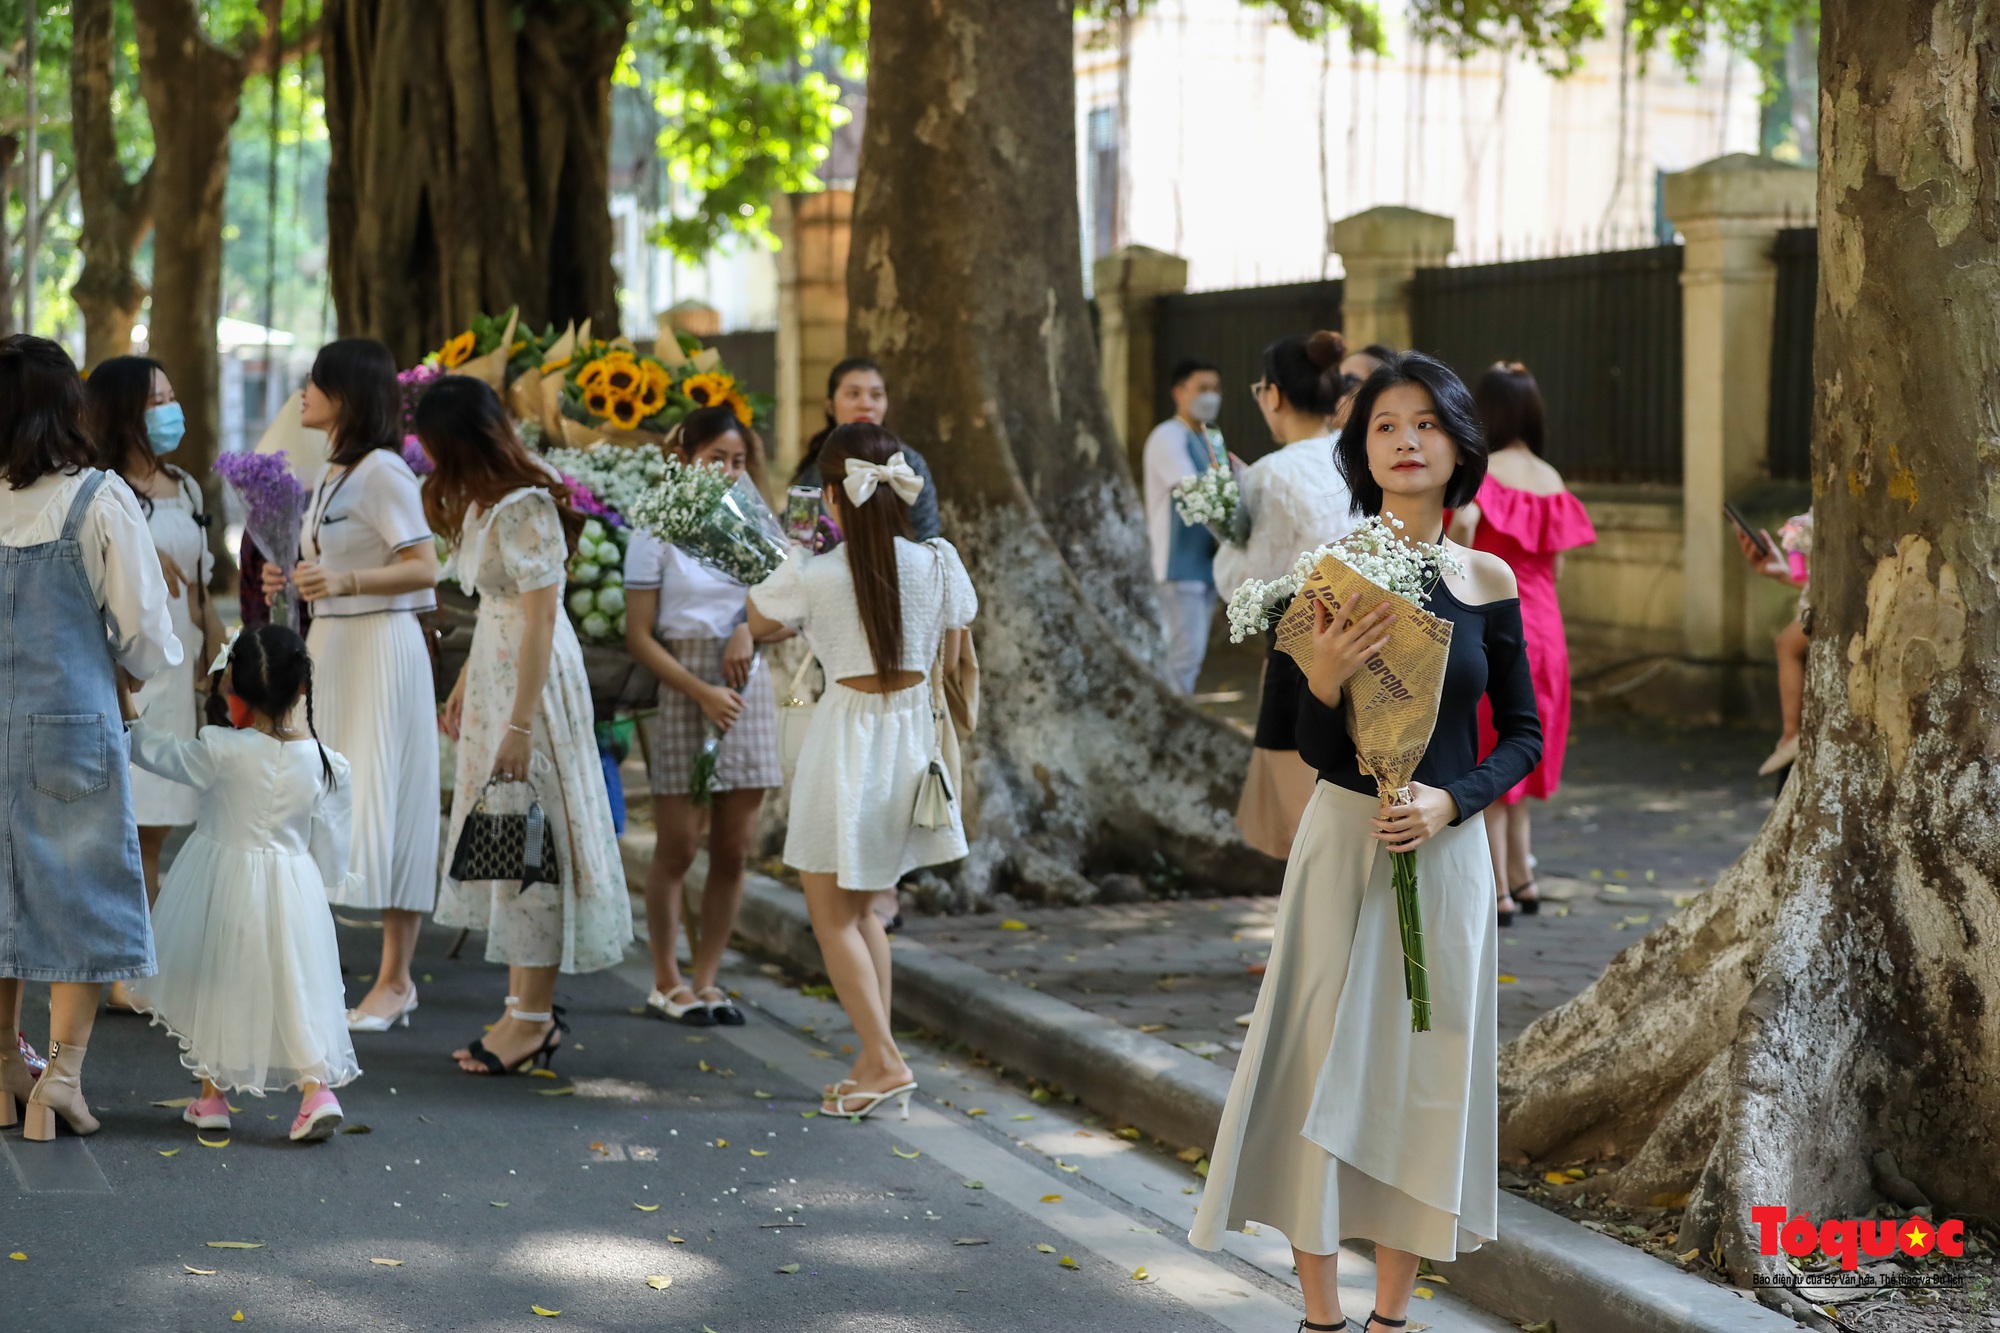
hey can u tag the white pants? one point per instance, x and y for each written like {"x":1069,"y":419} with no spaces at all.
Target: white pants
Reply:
{"x":1185,"y":611}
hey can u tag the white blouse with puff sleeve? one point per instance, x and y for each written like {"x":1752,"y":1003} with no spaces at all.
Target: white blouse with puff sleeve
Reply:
{"x":815,"y":595}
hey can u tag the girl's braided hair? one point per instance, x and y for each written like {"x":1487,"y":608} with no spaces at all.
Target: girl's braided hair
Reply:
{"x":269,"y":669}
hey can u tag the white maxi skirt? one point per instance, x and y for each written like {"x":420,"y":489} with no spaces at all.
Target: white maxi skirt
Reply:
{"x":373,"y":703}
{"x":1341,"y":1122}
{"x":855,"y":792}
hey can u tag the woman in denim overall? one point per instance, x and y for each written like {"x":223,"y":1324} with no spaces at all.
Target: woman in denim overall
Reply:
{"x":72,"y":899}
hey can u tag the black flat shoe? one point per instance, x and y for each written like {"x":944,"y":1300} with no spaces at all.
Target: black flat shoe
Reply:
{"x":722,"y":1011}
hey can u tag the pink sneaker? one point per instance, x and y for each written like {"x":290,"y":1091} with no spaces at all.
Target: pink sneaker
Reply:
{"x":208,"y":1112}
{"x":319,"y":1116}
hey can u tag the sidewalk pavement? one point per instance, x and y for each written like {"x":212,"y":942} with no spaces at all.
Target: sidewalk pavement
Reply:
{"x":1646,"y":818}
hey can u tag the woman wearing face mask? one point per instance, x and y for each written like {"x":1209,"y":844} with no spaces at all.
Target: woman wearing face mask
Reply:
{"x":856,"y":391}
{"x":368,"y":567}
{"x":1341,"y":1121}
{"x":133,"y":419}
{"x":1297,"y":501}
{"x":686,"y":624}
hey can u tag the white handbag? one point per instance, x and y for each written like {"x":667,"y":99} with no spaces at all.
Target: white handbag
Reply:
{"x":795,"y":715}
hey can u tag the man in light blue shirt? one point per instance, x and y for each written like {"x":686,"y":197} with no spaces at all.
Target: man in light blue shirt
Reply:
{"x":1182,"y":446}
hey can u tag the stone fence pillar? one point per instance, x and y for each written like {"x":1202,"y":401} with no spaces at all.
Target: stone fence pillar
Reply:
{"x":1729,"y":211}
{"x":1127,"y":282}
{"x":813,"y":231}
{"x":1381,"y":249}
{"x":689,"y":316}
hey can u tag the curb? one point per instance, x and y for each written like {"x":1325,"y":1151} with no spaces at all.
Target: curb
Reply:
{"x":1543,"y":1267}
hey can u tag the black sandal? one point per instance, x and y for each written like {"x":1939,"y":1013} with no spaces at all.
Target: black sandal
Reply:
{"x":1506,"y":913}
{"x":1382,"y":1319}
{"x":1342,"y":1327}
{"x":722,"y":1011}
{"x":542,"y":1055}
{"x":1527,"y":906}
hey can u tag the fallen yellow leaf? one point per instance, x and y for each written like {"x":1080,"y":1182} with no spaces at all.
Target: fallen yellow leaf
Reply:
{"x":760,"y":1152}
{"x":1128,"y":1133}
{"x":1506,"y":979}
{"x":171,"y":1152}
{"x":1689,"y":1257}
{"x":1052,"y":1198}
{"x":17,"y":1255}
{"x":677,"y":1240}
{"x":1011,"y":924}
{"x":1669,"y":1200}
{"x":906,"y":1156}
{"x":1555,"y":1178}
{"x":1045,"y":1249}
{"x":541,"y":1073}
{"x":236,"y":1318}
{"x":1025,"y":1115}
{"x":722,"y":1143}
{"x":647,"y":1207}
{"x":1201,"y":1168}
{"x":1152,"y":1027}
{"x":658,"y":1283}
{"x":977,"y":1110}
{"x":199,"y":1272}
{"x":765,"y":1095}
{"x":1574,"y":1173}
{"x":569,"y":1091}
{"x":207,"y":1144}
{"x":1423,"y":1293}
{"x":705,"y":1066}
{"x":1140,"y":1274}
{"x":1067,"y":1167}
{"x":177,"y":1103}
{"x":387,"y":1263}
{"x":546,"y":1314}
{"x":788,"y":1269}
{"x":1068,"y":1262}
{"x":236,"y":1245}
{"x":496,"y":1203}
{"x":1189,"y":1155}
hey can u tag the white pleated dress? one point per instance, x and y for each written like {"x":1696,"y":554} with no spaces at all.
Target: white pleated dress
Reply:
{"x":168,"y":701}
{"x":373,"y":696}
{"x":249,"y":980}
{"x":1341,"y":1122}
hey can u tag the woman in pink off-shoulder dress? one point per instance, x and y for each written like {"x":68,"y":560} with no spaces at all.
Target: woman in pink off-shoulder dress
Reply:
{"x":1525,"y":515}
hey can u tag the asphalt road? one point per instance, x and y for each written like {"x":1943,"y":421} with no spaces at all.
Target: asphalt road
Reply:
{"x":656,"y":1153}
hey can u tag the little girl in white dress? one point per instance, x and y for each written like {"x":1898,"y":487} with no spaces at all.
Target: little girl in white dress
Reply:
{"x":249,"y":978}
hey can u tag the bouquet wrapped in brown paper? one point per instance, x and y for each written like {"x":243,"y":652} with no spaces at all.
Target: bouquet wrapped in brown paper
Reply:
{"x":1392,"y":702}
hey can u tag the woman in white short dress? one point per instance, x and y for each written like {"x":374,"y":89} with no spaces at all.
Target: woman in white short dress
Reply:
{"x":685,"y":623}
{"x":879,"y":610}
{"x":369,"y":567}
{"x":520,"y":713}
{"x":1342,"y":1122}
{"x":133,"y":420}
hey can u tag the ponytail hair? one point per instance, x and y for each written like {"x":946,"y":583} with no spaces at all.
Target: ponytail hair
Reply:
{"x":269,"y":669}
{"x":870,"y":530}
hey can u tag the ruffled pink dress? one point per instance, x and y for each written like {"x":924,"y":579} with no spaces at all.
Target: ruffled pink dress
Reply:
{"x":1528,"y":531}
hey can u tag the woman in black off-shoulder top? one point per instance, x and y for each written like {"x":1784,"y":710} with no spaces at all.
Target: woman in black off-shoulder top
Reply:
{"x":1341,"y":1122}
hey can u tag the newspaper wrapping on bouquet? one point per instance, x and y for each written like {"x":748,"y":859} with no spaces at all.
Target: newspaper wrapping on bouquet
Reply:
{"x":1392,"y":708}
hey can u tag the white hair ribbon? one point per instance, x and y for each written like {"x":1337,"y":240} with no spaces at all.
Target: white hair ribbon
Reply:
{"x":228,"y":647}
{"x":897,"y":474}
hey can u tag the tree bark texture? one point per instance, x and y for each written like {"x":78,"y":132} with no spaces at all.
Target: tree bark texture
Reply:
{"x":192,"y":87}
{"x":470,"y":164}
{"x":965,"y":281}
{"x":117,"y":212}
{"x":1837,"y":994}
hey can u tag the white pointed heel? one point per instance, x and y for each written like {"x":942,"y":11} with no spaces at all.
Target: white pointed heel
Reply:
{"x":869,"y":1102}
{"x":357,"y":1021}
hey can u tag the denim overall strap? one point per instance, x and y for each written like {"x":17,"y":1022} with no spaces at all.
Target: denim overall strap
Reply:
{"x":1190,"y":548}
{"x":72,"y":900}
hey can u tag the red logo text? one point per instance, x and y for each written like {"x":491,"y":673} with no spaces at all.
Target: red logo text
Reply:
{"x":1847,"y":1241}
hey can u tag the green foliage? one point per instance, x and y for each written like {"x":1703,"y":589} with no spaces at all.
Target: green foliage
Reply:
{"x":748,"y":101}
{"x":1554,"y":30}
{"x":1309,"y":20}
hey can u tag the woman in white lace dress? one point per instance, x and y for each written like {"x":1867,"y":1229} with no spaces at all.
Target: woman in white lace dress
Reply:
{"x":879,"y":611}
{"x":520,"y":713}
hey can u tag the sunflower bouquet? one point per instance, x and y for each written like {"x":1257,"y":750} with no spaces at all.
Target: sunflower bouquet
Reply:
{"x":612,"y":386}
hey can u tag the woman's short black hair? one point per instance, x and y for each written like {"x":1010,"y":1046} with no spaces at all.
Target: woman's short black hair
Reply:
{"x":361,"y":374}
{"x":1510,"y":406}
{"x":1456,"y":413}
{"x":41,"y":412}
{"x":1306,"y":370}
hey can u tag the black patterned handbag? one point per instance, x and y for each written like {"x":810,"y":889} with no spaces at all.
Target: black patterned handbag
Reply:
{"x":509,"y":847}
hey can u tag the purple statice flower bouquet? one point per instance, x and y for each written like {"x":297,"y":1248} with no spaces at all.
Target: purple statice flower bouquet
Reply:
{"x":584,"y":501}
{"x":413,"y":382}
{"x":275,"y":506}
{"x":413,"y":454}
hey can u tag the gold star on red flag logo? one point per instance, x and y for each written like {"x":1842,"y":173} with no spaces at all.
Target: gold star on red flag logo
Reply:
{"x":1919,"y":1239}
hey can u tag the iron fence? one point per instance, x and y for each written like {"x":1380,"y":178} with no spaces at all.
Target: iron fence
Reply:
{"x":1602,"y":334}
{"x":1230,"y":329}
{"x":1789,"y":442}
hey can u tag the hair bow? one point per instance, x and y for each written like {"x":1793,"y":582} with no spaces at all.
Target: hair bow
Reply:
{"x":897,"y":474}
{"x":228,"y":647}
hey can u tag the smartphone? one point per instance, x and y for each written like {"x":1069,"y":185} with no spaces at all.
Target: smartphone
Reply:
{"x":802,"y":505}
{"x":1756,"y":538}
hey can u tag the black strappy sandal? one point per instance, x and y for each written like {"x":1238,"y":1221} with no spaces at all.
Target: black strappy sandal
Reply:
{"x":542,"y":1055}
{"x":1527,"y":906}
{"x":1344,"y":1326}
{"x":1382,"y":1319}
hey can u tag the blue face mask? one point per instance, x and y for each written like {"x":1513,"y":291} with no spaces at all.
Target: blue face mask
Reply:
{"x":165,"y":425}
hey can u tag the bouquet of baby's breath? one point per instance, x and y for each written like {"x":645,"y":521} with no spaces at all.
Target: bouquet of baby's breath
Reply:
{"x":1212,"y":499}
{"x":722,"y":523}
{"x":1392,"y":702}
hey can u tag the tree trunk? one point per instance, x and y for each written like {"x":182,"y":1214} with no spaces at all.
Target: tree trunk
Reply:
{"x":117,"y":213}
{"x":471,"y":161}
{"x":1834,"y":996}
{"x":10,"y":151}
{"x":965,"y":282}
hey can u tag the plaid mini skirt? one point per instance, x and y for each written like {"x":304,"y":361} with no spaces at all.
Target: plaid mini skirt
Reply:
{"x":748,"y":759}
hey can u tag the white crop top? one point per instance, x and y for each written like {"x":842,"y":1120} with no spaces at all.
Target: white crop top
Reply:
{"x":815,"y":595}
